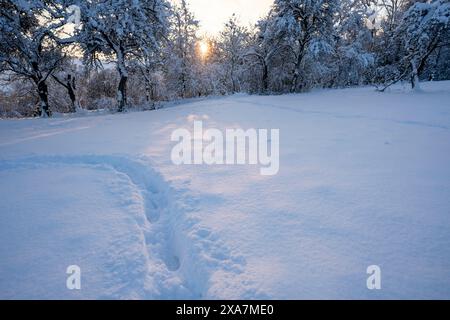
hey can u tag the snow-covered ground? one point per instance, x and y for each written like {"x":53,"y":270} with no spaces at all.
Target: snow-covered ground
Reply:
{"x":364,"y":180}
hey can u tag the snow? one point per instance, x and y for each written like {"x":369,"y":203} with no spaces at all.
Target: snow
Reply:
{"x":364,"y":180}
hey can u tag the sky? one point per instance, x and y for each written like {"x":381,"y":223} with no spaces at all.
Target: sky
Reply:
{"x":213,"y":14}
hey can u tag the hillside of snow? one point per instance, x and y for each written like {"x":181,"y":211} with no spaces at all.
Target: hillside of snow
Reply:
{"x":364,"y":180}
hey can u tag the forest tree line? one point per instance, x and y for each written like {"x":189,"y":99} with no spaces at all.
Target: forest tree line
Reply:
{"x":125,"y":54}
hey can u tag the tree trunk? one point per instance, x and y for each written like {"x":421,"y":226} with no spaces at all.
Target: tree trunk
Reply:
{"x":71,"y":92}
{"x":414,"y":75}
{"x":122,"y":93}
{"x":184,"y":87}
{"x":296,"y":78}
{"x":43,"y":99}
{"x":265,"y":78}
{"x":296,"y":81}
{"x":123,"y":73}
{"x":148,"y":92}
{"x":70,"y":86}
{"x":298,"y":65}
{"x":44,"y":108}
{"x":233,"y":84}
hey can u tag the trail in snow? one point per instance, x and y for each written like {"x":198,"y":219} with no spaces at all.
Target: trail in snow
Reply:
{"x":181,"y":254}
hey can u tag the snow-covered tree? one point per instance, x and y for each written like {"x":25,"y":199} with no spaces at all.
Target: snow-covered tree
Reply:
{"x":304,"y":30}
{"x":233,"y":41}
{"x":121,"y":30}
{"x":156,"y":51}
{"x":437,"y":66}
{"x":423,"y":29}
{"x":67,"y":78}
{"x":182,"y":53}
{"x":28,"y":44}
{"x":393,"y":11}
{"x":210,"y":71}
{"x":354,"y":58}
{"x":259,"y":55}
{"x":148,"y":68}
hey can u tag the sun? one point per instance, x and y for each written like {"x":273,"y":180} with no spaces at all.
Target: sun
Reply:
{"x":203,"y":47}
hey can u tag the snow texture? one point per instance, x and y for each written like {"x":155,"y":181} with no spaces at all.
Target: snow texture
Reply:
{"x":364,"y":180}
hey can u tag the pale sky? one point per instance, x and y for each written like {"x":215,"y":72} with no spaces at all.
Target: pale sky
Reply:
{"x":213,"y":14}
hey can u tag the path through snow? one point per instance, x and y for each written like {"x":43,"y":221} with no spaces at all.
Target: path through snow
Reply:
{"x":173,"y":265}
